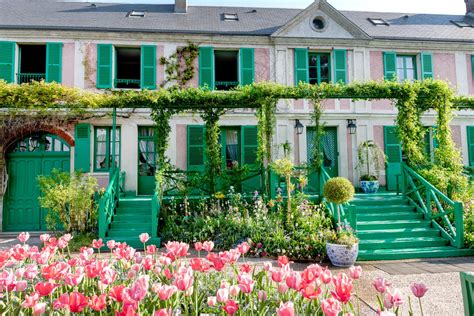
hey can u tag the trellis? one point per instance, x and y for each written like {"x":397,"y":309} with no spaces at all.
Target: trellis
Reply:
{"x":412,"y":100}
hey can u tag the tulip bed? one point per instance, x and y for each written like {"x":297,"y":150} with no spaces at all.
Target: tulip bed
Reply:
{"x":128,"y":282}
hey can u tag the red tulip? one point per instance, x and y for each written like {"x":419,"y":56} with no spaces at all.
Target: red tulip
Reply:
{"x":97,"y":244}
{"x":343,"y":288}
{"x":117,"y":293}
{"x":198,"y":246}
{"x":283,"y":261}
{"x":45,"y":288}
{"x":419,"y":289}
{"x":230,"y":307}
{"x":77,"y":302}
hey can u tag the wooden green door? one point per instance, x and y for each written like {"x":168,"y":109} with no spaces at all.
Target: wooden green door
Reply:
{"x":393,"y":151}
{"x":330,"y":155}
{"x":146,"y":160}
{"x":28,"y":158}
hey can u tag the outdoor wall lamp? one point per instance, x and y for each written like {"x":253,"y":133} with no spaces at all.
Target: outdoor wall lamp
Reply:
{"x":299,"y":127}
{"x":351,"y":126}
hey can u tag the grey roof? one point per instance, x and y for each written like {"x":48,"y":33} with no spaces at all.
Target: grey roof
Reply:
{"x":413,"y":26}
{"x":160,"y":18}
{"x":41,"y":14}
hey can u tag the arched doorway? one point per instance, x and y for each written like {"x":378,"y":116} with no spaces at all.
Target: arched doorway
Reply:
{"x":27,"y":158}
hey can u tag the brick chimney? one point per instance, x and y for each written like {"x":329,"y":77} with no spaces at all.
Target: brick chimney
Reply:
{"x":469,"y":6}
{"x":181,"y":6}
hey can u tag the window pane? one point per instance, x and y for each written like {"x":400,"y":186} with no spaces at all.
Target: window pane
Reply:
{"x":57,"y":145}
{"x":313,"y":73}
{"x":410,"y":74}
{"x":313,"y":61}
{"x":100,"y":162}
{"x":146,"y":131}
{"x":324,"y":68}
{"x":101,"y":134}
{"x":400,"y":62}
{"x":401,"y":74}
{"x":409,"y":62}
{"x":101,"y":149}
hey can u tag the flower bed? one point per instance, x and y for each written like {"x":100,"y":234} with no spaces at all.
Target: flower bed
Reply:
{"x":128,"y":282}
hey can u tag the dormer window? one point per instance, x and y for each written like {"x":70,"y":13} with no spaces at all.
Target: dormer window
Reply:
{"x":136,"y":14}
{"x":462,"y":24}
{"x":231,"y":17}
{"x":378,"y":21}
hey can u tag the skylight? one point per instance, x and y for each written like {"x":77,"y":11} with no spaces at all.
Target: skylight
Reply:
{"x":378,"y":21}
{"x":231,"y":17}
{"x":462,"y":24}
{"x":136,"y":14}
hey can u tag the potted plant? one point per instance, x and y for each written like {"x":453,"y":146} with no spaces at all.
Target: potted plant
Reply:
{"x":343,"y":247}
{"x":371,"y":161}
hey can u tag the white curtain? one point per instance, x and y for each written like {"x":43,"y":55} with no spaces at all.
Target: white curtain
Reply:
{"x":232,"y":143}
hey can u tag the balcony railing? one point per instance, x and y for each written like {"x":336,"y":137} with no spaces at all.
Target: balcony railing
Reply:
{"x":127,"y":83}
{"x":225,"y":85}
{"x":28,"y":77}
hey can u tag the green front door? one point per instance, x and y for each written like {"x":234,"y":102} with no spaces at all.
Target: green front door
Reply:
{"x":330,"y":155}
{"x":146,"y":160}
{"x":393,"y":151}
{"x":37,"y":154}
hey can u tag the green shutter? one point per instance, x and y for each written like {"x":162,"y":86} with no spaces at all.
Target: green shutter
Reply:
{"x":470,"y":144}
{"x":148,"y":63}
{"x":340,"y":65}
{"x":390,"y":65}
{"x":301,"y":65}
{"x":54,"y":61}
{"x":393,"y":151}
{"x":249,"y":143}
{"x":426,"y":65}
{"x":246,"y":62}
{"x":472,"y":65}
{"x":206,"y":67}
{"x":104,"y":66}
{"x":7,"y":61}
{"x":196,"y":148}
{"x":82,"y":149}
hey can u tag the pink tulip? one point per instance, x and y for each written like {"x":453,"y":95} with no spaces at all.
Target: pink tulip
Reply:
{"x":97,"y":244}
{"x":286,"y":309}
{"x":21,"y":286}
{"x":77,"y":302}
{"x":326,"y":276}
{"x":139,"y":288}
{"x":294,"y":281}
{"x":166,"y":291}
{"x":331,"y":307}
{"x":111,"y":244}
{"x":343,"y":288}
{"x":177,"y":249}
{"x":355,"y":272}
{"x":277,"y":275}
{"x":419,"y":289}
{"x":151,"y":249}
{"x":311,"y":291}
{"x":164,"y":312}
{"x":311,"y":273}
{"x":267,"y":266}
{"x":231,"y":307}
{"x":39,"y":309}
{"x":208,"y":246}
{"x":117,"y":293}
{"x":23,"y":237}
{"x":246,"y":283}
{"x":381,"y":285}
{"x":30,"y":300}
{"x":243,"y":248}
{"x":44,"y":237}
{"x":222,"y":295}
{"x":212,"y":301}
{"x":184,"y":280}
{"x":98,"y":303}
{"x":144,"y":237}
{"x":393,"y":299}
{"x":234,"y":290}
{"x":282,"y":288}
{"x":262,"y":295}
{"x":283,"y":261}
{"x":198,"y":246}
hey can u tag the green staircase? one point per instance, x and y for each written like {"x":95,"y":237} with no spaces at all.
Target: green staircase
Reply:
{"x":131,"y":218}
{"x":390,"y":229}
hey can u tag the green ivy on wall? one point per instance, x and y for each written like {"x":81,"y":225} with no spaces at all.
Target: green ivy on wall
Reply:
{"x":179,"y":67}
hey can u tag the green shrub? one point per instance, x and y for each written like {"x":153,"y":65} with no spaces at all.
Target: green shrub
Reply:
{"x":338,"y":190}
{"x":70,"y":200}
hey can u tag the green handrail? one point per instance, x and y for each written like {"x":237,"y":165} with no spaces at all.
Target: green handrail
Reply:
{"x":155,"y":211}
{"x":345,"y":213}
{"x":108,"y":203}
{"x":27,"y":77}
{"x":435,"y":205}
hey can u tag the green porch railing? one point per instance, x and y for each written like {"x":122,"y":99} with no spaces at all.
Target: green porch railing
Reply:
{"x":467,"y":287}
{"x":226,"y":84}
{"x":28,"y":77}
{"x":445,"y":214}
{"x":108,"y":203}
{"x":155,"y":212}
{"x":345,"y":213}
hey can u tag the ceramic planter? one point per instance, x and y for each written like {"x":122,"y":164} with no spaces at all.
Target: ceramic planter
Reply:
{"x":341,"y":255}
{"x":369,"y":186}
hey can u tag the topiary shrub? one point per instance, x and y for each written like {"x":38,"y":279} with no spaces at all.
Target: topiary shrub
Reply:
{"x":338,"y":190}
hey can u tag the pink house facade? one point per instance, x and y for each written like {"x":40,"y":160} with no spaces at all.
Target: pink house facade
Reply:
{"x":107,"y":46}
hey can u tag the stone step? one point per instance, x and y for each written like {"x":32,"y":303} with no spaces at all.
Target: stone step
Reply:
{"x":402,"y":243}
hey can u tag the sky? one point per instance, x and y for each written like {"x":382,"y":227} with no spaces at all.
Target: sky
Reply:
{"x":405,"y":6}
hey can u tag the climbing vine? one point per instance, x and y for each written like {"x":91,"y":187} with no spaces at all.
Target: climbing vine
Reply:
{"x":213,"y":147}
{"x":179,"y":67}
{"x":316,"y":154}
